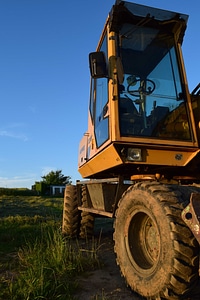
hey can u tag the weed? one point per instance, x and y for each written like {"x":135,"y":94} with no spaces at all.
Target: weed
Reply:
{"x":48,"y":268}
{"x":37,"y":262}
{"x":101,"y":297}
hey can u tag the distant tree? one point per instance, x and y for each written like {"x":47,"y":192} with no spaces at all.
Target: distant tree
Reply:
{"x":56,"y":178}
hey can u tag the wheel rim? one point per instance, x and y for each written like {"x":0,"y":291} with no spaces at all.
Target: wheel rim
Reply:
{"x":143,"y":241}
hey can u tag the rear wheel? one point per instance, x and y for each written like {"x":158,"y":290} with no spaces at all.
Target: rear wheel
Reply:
{"x":156,"y":252}
{"x":71,"y":214}
{"x":87,"y":219}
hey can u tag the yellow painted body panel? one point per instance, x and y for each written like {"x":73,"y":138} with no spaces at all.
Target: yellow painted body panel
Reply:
{"x":104,"y":160}
{"x":109,"y":158}
{"x":168,"y":157}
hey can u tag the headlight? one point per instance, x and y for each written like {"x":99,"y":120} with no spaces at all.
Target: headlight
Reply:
{"x":134,"y":154}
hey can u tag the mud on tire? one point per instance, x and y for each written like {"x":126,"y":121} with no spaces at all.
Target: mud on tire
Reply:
{"x":156,"y":251}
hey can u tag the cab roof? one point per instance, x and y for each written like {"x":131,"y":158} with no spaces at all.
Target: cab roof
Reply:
{"x":127,"y":12}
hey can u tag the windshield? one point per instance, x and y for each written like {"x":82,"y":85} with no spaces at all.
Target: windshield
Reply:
{"x":151,"y":97}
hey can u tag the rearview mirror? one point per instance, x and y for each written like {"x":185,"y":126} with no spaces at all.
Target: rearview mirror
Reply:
{"x":98,"y":67}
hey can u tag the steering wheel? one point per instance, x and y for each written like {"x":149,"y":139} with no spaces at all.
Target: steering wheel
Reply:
{"x":146,"y":87}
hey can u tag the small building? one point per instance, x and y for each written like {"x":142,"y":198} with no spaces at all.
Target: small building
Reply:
{"x":57,"y":189}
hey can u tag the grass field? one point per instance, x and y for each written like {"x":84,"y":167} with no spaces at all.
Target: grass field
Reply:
{"x":36,"y":261}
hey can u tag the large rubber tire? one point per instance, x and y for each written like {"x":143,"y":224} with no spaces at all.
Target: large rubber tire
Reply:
{"x":71,"y":214}
{"x":87,"y":218}
{"x":156,"y":251}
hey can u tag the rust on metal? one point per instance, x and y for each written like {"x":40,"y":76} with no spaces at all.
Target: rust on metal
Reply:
{"x":191,"y":215}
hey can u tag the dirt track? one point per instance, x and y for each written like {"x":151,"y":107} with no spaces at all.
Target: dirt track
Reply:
{"x":106,"y":282}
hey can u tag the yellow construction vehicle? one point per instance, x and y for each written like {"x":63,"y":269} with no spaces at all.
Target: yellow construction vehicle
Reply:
{"x":140,"y":156}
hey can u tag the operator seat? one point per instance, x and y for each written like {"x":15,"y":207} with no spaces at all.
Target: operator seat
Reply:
{"x":130,"y":119}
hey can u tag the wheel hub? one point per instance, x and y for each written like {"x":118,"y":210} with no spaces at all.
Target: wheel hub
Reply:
{"x":143,"y":243}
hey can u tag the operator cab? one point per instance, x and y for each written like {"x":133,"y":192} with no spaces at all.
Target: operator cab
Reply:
{"x":139,"y":95}
{"x":150,"y":90}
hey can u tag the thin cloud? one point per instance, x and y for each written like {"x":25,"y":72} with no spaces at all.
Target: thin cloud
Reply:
{"x":10,"y":134}
{"x":17,"y":181}
{"x":11,"y":130}
{"x":15,"y":125}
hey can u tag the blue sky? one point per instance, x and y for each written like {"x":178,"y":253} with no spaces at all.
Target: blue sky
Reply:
{"x":44,"y":80}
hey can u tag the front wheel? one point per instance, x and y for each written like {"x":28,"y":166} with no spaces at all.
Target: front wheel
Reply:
{"x":156,"y":252}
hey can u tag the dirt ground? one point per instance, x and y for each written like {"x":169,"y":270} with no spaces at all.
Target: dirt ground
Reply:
{"x":106,"y":283}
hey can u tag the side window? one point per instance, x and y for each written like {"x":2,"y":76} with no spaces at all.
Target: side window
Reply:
{"x":92,"y":97}
{"x":98,"y":104}
{"x":101,"y":116}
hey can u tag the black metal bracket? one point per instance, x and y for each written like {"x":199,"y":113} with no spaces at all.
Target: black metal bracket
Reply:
{"x":191,"y":215}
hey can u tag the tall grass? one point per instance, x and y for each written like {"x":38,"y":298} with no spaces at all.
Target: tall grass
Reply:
{"x":48,"y":268}
{"x":36,"y":261}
